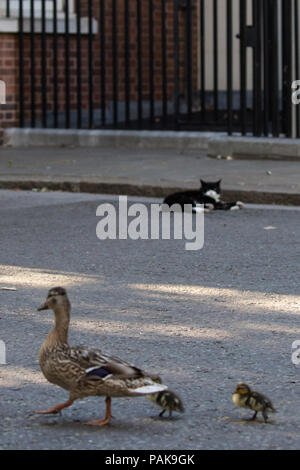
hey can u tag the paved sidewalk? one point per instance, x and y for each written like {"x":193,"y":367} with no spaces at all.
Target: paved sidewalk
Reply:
{"x":147,"y":173}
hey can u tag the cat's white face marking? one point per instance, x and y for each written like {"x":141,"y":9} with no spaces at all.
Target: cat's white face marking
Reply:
{"x":213,"y":194}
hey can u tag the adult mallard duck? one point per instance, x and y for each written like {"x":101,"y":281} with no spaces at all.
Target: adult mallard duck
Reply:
{"x":245,"y":397}
{"x":87,"y":371}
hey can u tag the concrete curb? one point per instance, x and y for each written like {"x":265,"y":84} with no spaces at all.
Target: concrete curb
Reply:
{"x":15,"y":137}
{"x":251,"y":197}
{"x":254,"y":148}
{"x":215,"y":144}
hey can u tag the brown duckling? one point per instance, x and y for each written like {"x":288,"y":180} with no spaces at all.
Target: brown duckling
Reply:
{"x":168,"y":401}
{"x":245,"y":397}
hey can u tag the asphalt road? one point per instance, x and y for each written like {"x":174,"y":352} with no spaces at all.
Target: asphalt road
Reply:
{"x":203,"y":320}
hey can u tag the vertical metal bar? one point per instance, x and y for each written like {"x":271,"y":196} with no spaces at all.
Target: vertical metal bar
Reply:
{"x":44,"y":65}
{"x":297,"y":69}
{"x":287,"y":67}
{"x":243,"y":67}
{"x":67,"y":66}
{"x":176,"y":63}
{"x":275,"y":71}
{"x":203,"y":60}
{"x":266,"y":68}
{"x":229,"y":66}
{"x":254,"y":73}
{"x":21,"y":64}
{"x":7,"y":9}
{"x":55,"y":79}
{"x":32,"y":63}
{"x":164,"y":61}
{"x":127,"y":62}
{"x":102,"y":58}
{"x":216,"y":60}
{"x":189,"y":62}
{"x":257,"y":67}
{"x":139,"y":61}
{"x":115,"y":63}
{"x":78,"y":53}
{"x":90,"y":58}
{"x":151,"y":62}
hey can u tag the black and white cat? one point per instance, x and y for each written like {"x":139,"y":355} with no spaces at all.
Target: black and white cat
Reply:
{"x":209,"y":195}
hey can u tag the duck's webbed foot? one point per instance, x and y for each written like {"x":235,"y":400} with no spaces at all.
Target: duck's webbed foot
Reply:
{"x":108,"y":415}
{"x":55,"y":409}
{"x":265,"y":416}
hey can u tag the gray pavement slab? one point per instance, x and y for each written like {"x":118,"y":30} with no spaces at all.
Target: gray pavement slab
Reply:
{"x":214,"y":143}
{"x":203,"y":320}
{"x":147,"y":172}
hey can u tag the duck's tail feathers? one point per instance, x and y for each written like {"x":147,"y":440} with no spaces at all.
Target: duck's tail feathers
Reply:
{"x":150,"y":389}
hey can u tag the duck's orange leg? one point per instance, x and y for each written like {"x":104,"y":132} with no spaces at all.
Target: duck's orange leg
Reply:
{"x":108,"y":415}
{"x":56,"y":409}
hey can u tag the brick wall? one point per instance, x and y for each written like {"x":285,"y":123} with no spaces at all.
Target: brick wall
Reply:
{"x":9,"y":56}
{"x":9,"y":74}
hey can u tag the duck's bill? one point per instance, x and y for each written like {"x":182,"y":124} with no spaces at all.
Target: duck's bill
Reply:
{"x":43,"y":307}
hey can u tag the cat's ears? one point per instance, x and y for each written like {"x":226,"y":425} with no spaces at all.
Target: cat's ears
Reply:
{"x":217,"y":182}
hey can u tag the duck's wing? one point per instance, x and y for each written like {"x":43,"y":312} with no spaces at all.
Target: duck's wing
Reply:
{"x":261,"y":401}
{"x":98,"y":364}
{"x":111,"y":375}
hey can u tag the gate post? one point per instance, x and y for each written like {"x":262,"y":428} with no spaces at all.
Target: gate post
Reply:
{"x":287,"y":46}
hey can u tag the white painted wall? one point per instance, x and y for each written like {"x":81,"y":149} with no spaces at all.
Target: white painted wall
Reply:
{"x":14,"y":7}
{"x":222,"y":45}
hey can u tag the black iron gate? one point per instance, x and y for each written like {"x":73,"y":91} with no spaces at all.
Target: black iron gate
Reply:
{"x":258,"y":102}
{"x":217,"y":65}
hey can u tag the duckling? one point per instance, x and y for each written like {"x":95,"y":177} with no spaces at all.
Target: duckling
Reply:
{"x":244,"y":397}
{"x":167,"y":400}
{"x":85,"y":371}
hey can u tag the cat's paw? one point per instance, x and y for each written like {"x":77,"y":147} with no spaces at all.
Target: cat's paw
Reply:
{"x":238,"y":205}
{"x":209,"y":207}
{"x":199,"y":208}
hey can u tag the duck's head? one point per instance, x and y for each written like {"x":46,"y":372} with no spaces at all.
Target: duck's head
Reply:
{"x":242,"y":389}
{"x":57,"y":299}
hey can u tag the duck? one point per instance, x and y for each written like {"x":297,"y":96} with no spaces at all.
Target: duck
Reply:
{"x":85,"y":371}
{"x":168,"y":401}
{"x":245,"y":397}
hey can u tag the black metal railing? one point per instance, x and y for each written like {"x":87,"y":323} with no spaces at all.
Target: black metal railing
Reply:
{"x":161,"y":64}
{"x":297,"y":62}
{"x":7,"y":8}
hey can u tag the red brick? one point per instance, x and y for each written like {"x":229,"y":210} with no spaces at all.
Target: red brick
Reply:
{"x":9,"y":60}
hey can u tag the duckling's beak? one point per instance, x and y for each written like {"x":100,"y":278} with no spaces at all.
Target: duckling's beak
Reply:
{"x":43,"y":307}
